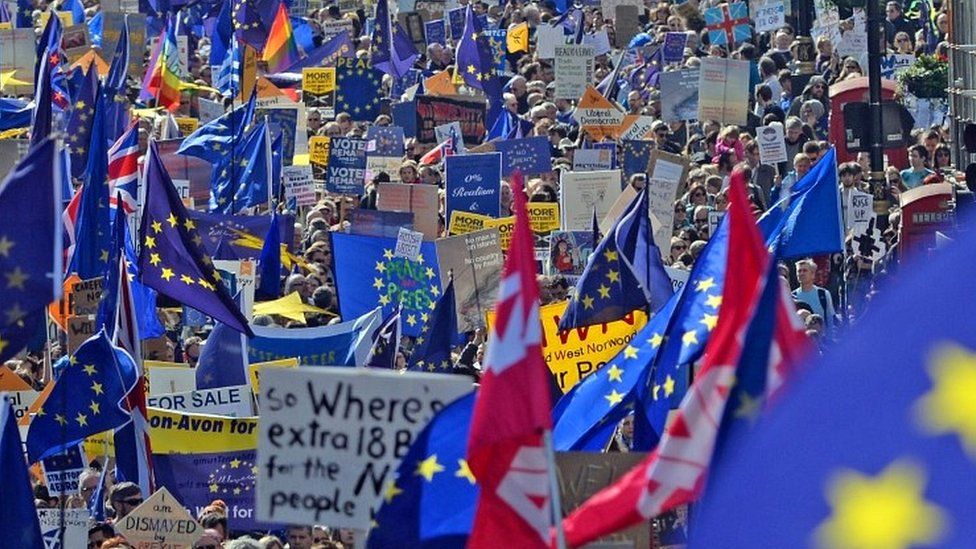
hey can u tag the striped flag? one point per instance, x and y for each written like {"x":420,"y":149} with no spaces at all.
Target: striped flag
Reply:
{"x":163,"y":74}
{"x":123,"y":170}
{"x":438,"y":153}
{"x":225,"y":55}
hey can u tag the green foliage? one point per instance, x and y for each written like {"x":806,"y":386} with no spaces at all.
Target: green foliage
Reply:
{"x":926,"y":78}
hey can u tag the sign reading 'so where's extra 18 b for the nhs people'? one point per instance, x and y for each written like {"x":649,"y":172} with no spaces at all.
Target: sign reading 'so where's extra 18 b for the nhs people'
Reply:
{"x":330,"y":439}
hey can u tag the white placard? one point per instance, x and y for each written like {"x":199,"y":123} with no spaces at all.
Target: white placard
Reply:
{"x":860,"y":210}
{"x":589,"y":160}
{"x":75,"y":527}
{"x":574,"y":71}
{"x":182,"y":188}
{"x":330,"y":439}
{"x":679,"y":277}
{"x":209,"y":110}
{"x":584,"y":191}
{"x":772,"y":144}
{"x":408,"y":244}
{"x":451,"y":129}
{"x":165,"y":380}
{"x":639,"y":129}
{"x":599,"y":41}
{"x":299,"y":184}
{"x":245,"y":273}
{"x":854,"y":42}
{"x":714,"y":218}
{"x":224,"y":401}
{"x":770,"y":16}
{"x":547,"y":38}
{"x":660,"y":201}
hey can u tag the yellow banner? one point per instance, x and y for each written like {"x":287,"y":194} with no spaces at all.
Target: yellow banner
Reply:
{"x":183,"y":433}
{"x":467,"y":222}
{"x":253,"y":370}
{"x":543,"y":216}
{"x":318,"y":150}
{"x":505,"y":226}
{"x":187,"y":125}
{"x":574,"y":354}
{"x":318,"y":80}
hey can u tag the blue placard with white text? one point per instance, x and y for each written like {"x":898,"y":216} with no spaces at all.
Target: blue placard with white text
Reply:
{"x":473,"y":183}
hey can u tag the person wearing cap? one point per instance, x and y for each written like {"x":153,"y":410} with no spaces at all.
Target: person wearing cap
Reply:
{"x":124,"y":498}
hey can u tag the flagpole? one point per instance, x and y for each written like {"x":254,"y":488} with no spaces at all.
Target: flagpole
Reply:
{"x":556,"y":501}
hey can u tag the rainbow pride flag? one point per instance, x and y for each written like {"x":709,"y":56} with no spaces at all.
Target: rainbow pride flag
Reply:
{"x":164,"y":80}
{"x":280,"y":51}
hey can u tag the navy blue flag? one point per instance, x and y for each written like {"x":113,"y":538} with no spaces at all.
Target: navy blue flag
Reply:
{"x":327,"y":54}
{"x":30,"y":245}
{"x":683,"y":341}
{"x":114,"y":100}
{"x":86,"y":398}
{"x":253,"y":20}
{"x":636,"y":156}
{"x":531,"y":155}
{"x":436,"y":32}
{"x":432,"y":501}
{"x":18,"y":516}
{"x":269,"y":284}
{"x":386,"y":342}
{"x":238,"y":236}
{"x":80,"y":123}
{"x":433,"y":349}
{"x":346,"y":172}
{"x":358,"y":87}
{"x":43,"y":112}
{"x":171,"y":259}
{"x":108,"y":305}
{"x":401,"y":84}
{"x":623,"y":273}
{"x":223,"y":360}
{"x":877,"y":457}
{"x":367,"y":274}
{"x":510,"y":126}
{"x":344,"y":344}
{"x":246,"y":184}
{"x":384,"y":141}
{"x":472,"y":183}
{"x":25,"y":11}
{"x":15,"y":113}
{"x":215,"y":139}
{"x":392,"y":51}
{"x":808,"y":222}
{"x":475,"y":61}
{"x":93,"y":233}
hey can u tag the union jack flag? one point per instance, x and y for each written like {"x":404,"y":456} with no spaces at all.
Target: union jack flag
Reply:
{"x":123,"y":170}
{"x":440,"y":152}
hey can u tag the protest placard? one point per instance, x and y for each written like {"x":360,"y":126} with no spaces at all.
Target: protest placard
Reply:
{"x":547,"y":38}
{"x":769,"y":16}
{"x":76,"y":42}
{"x":209,"y":110}
{"x":599,"y":41}
{"x":112,"y":24}
{"x":408,"y":244}
{"x":63,"y":528}
{"x":772,"y":144}
{"x":435,"y":32}
{"x":84,"y":296}
{"x":894,"y":63}
{"x":343,"y":344}
{"x":169,"y":377}
{"x":318,"y":157}
{"x":239,"y":276}
{"x":319,"y":89}
{"x":61,"y":471}
{"x":598,"y":116}
{"x":858,"y":210}
{"x":254,"y":370}
{"x":346,"y":172}
{"x":827,"y":23}
{"x":161,"y":521}
{"x":854,"y":40}
{"x":79,"y":329}
{"x":679,"y":95}
{"x":627,"y":23}
{"x":451,"y":130}
{"x":667,"y":166}
{"x":422,"y":200}
{"x":660,"y":202}
{"x":530,"y":155}
{"x":21,"y":396}
{"x":232,"y":401}
{"x":378,"y":222}
{"x":574,"y":71}
{"x":330,"y":439}
{"x":435,"y":111}
{"x":714,"y":218}
{"x":581,"y":192}
{"x":473,"y":183}
{"x":571,"y":355}
{"x":723,"y":90}
{"x":186,"y":124}
{"x":385,"y":141}
{"x":635,"y":127}
{"x":334,"y":27}
{"x":466,"y":222}
{"x":679,"y":277}
{"x":299,"y":184}
{"x":475,"y":259}
{"x":589,"y":160}
{"x":673,"y":50}
{"x":568,"y":252}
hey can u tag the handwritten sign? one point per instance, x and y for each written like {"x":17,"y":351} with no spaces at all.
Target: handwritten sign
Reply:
{"x":299,"y":184}
{"x":159,"y":522}
{"x":408,"y":244}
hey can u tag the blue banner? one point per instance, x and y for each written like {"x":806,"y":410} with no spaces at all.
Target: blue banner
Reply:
{"x":346,"y":172}
{"x":384,"y":141}
{"x":343,"y":344}
{"x":400,"y":86}
{"x":637,"y":154}
{"x":436,"y":32}
{"x":239,"y":236}
{"x":405,"y":116}
{"x":531,"y":155}
{"x":674,"y":47}
{"x":456,"y":17}
{"x":473,"y":183}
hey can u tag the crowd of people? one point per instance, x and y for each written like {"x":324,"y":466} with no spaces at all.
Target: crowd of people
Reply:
{"x":830,"y":291}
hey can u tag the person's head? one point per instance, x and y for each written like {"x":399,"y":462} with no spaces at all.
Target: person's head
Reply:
{"x":214,"y":519}
{"x":88,"y":483}
{"x":918,"y":155}
{"x":697,"y":195}
{"x":124,"y":498}
{"x":931,"y":141}
{"x":805,"y":271}
{"x":191,"y":349}
{"x":661,"y":132}
{"x":801,"y":165}
{"x":299,"y":537}
{"x":296,"y":283}
{"x":98,"y":533}
{"x":320,"y":534}
{"x":270,"y":542}
{"x":848,"y":174}
{"x":210,"y":539}
{"x":635,"y":101}
{"x":794,"y":127}
{"x":903,"y":42}
{"x":943,"y":156}
{"x":893,"y":11}
{"x":678,"y":247}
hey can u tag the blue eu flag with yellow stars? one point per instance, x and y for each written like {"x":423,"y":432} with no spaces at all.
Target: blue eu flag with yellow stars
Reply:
{"x":636,"y":155}
{"x":368,"y":274}
{"x":432,"y":501}
{"x":215,"y":139}
{"x":171,"y":259}
{"x":18,"y":517}
{"x":30,"y":245}
{"x":358,"y":89}
{"x":875,"y":444}
{"x":85,"y":398}
{"x":80,"y":123}
{"x":433,"y":350}
{"x":624,"y":273}
{"x":475,"y":61}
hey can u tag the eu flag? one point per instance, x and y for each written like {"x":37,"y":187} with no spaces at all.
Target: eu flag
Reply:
{"x":80,"y":123}
{"x":171,"y":259}
{"x":475,"y":60}
{"x":433,"y":349}
{"x":358,"y":89}
{"x":623,"y":273}
{"x":338,"y":46}
{"x":18,"y":517}
{"x":808,"y":222}
{"x":215,"y":139}
{"x":392,"y":50}
{"x":30,"y":244}
{"x":253,"y":20}
{"x":85,"y":400}
{"x":93,"y":233}
{"x":367,"y":273}
{"x":432,"y":501}
{"x":250,"y":165}
{"x":269,"y":276}
{"x":113,"y":97}
{"x":223,"y":360}
{"x":636,"y":155}
{"x":15,"y":113}
{"x":239,"y":236}
{"x":876,"y":441}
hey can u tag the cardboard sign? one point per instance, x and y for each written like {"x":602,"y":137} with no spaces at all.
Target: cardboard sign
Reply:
{"x":664,"y":165}
{"x":209,"y":110}
{"x":547,"y":38}
{"x":660,"y":198}
{"x":679,"y":95}
{"x":581,"y":192}
{"x":160,"y":521}
{"x":679,"y":277}
{"x":854,"y":42}
{"x":80,"y":328}
{"x":408,"y":244}
{"x":723,"y":91}
{"x":61,"y":471}
{"x":473,"y":183}
{"x":772,"y":144}
{"x":636,"y":127}
{"x":378,"y":222}
{"x":476,"y":262}
{"x":895,"y":63}
{"x":435,"y":32}
{"x":74,"y":521}
{"x":346,"y":172}
{"x":224,"y":401}
{"x":299,"y":184}
{"x":574,"y":71}
{"x":330,"y":438}
{"x":451,"y":130}
{"x":254,"y":370}
{"x":598,"y":116}
{"x":332,"y":28}
{"x":769,"y":16}
{"x":466,"y":222}
{"x":422,"y":200}
{"x":319,"y":89}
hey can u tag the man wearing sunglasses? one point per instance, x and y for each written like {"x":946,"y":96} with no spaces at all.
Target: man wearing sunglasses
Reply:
{"x":98,"y":533}
{"x":125,"y":497}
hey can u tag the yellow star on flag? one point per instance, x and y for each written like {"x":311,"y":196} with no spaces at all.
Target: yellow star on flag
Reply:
{"x":630,"y":352}
{"x":235,"y":463}
{"x":714,"y":301}
{"x":690,"y":338}
{"x":611,"y":255}
{"x":213,"y":488}
{"x":5,"y":246}
{"x":709,"y":321}
{"x":172,"y":220}
{"x":950,"y":406}
{"x":668,"y":386}
{"x":412,"y":320}
{"x":391,"y":491}
{"x":587,"y":302}
{"x":95,"y":408}
{"x":388,"y":254}
{"x":614,"y":397}
{"x":749,"y":407}
{"x":429,"y":467}
{"x":705,"y":285}
{"x":888,"y":511}
{"x":380,"y":267}
{"x":97,"y":388}
{"x":614,"y":373}
{"x":167,"y":274}
{"x":613,"y":276}
{"x":464,"y":471}
{"x":656,"y":340}
{"x":89,"y":369}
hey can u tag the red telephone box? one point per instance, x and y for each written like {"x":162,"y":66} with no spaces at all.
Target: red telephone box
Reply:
{"x":851,"y":91}
{"x":925,"y":210}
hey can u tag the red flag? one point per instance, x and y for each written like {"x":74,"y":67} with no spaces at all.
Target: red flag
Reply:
{"x":674,"y":473}
{"x":512,"y":411}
